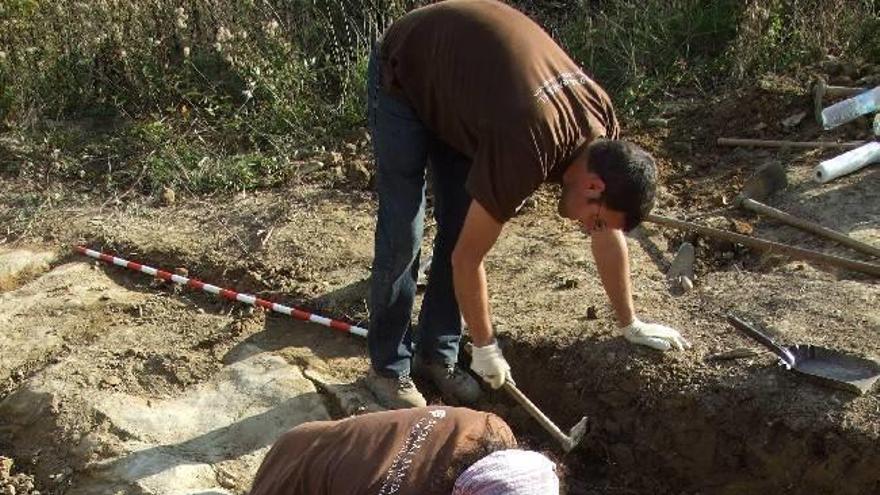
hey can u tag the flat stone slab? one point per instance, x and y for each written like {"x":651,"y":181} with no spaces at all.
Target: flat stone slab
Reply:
{"x":209,"y":440}
{"x":114,"y":390}
{"x":19,"y":264}
{"x":37,"y":318}
{"x":174,"y":444}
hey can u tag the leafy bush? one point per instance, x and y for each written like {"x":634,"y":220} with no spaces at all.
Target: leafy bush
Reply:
{"x":206,"y":90}
{"x":637,"y":48}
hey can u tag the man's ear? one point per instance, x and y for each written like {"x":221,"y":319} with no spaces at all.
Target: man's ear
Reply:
{"x":593,"y":185}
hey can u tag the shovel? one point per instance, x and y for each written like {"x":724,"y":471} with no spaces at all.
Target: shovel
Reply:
{"x":826,"y":366}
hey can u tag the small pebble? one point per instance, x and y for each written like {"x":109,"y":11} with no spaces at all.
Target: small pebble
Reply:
{"x":111,"y":380}
{"x":591,"y":313}
{"x":685,"y":283}
{"x":168,"y":196}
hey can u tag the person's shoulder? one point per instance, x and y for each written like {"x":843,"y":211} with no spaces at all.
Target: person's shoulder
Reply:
{"x":490,"y":420}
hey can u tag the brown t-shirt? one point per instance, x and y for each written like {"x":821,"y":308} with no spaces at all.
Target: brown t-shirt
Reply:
{"x":492,"y":84}
{"x":405,"y":452}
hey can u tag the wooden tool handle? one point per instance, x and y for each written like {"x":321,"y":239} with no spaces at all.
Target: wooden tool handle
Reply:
{"x":763,"y":338}
{"x":843,"y":91}
{"x":765,"y":245}
{"x":809,"y":226}
{"x":766,"y":143}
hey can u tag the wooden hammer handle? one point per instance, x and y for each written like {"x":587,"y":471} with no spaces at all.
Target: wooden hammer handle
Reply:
{"x":765,"y":245}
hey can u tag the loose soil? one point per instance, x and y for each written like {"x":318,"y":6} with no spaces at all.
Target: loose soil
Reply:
{"x":79,"y":337}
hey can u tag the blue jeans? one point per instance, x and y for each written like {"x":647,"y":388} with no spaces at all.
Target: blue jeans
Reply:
{"x":404,"y":150}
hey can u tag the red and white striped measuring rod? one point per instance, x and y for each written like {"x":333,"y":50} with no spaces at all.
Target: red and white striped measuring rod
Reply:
{"x":228,"y":294}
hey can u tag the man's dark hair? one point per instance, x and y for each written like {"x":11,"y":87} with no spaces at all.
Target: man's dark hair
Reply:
{"x":630,"y":178}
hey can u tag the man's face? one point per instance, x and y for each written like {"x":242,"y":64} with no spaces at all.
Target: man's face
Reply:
{"x":584,"y":204}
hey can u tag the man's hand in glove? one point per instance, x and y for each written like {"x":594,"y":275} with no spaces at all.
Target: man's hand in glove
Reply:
{"x":489,"y":363}
{"x":659,"y":337}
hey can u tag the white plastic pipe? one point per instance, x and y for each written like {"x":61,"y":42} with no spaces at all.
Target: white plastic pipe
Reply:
{"x":848,"y":162}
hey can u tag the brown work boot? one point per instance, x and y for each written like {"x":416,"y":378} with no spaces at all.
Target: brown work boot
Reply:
{"x":456,"y":385}
{"x":395,"y":392}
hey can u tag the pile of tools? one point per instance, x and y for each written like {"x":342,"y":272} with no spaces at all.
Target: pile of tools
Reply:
{"x":771,"y":178}
{"x":827,"y":366}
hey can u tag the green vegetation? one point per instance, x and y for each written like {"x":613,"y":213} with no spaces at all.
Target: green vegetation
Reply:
{"x":216,"y":96}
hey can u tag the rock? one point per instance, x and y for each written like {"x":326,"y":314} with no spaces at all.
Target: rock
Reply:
{"x":357,"y":173}
{"x":832,"y":67}
{"x":5,"y":467}
{"x":793,"y":120}
{"x":226,"y":480}
{"x":168,"y":196}
{"x":21,"y":264}
{"x":683,"y":263}
{"x":347,"y":397}
{"x":591,"y":313}
{"x":741,"y":227}
{"x":738,"y":353}
{"x":169,"y":443}
{"x":112,"y":380}
{"x":685,"y":283}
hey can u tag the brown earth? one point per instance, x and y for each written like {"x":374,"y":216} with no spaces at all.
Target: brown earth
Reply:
{"x":660,"y":423}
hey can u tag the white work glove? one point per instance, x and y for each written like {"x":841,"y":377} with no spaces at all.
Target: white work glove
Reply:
{"x":489,"y":363}
{"x":659,"y":337}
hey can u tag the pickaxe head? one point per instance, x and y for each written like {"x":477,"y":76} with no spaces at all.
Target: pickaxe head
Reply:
{"x":575,"y":436}
{"x":768,"y":179}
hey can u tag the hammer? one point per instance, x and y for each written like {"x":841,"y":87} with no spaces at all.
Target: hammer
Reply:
{"x":821,"y":88}
{"x":569,"y":441}
{"x":770,"y":178}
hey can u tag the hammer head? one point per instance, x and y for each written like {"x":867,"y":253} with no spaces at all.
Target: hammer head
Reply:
{"x":768,"y":179}
{"x":575,"y":435}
